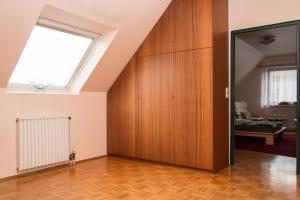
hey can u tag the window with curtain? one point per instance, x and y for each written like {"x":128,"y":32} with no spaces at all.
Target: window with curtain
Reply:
{"x":279,"y":85}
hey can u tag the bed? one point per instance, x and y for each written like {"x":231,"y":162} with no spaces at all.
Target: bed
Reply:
{"x":265,"y":129}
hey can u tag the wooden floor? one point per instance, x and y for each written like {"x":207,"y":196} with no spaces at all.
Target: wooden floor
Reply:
{"x":255,"y":176}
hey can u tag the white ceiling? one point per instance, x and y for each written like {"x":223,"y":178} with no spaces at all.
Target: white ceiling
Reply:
{"x":131,"y":20}
{"x":246,"y":59}
{"x":285,"y":40}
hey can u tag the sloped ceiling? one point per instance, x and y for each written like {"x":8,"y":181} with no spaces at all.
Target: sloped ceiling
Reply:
{"x":250,"y":53}
{"x":247,"y":59}
{"x":133,"y":20}
{"x":285,"y":40}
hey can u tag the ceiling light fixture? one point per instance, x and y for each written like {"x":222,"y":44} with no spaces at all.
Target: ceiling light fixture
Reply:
{"x":267,"y":39}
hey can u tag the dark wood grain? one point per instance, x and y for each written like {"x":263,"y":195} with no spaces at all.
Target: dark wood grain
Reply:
{"x":220,"y":77}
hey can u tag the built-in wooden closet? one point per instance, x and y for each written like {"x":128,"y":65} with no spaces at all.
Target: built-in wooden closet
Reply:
{"x":168,"y":104}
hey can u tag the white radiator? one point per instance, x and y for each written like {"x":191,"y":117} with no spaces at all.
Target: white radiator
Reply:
{"x":42,"y":141}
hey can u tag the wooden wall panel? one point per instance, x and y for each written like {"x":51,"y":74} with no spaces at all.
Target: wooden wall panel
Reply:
{"x":202,"y":23}
{"x":183,"y":25}
{"x":146,"y":118}
{"x":204,"y":72}
{"x":155,"y":81}
{"x":113,"y":118}
{"x":169,"y":97}
{"x":164,"y":105}
{"x":186,"y":25}
{"x":122,"y":125}
{"x":185,"y":112}
{"x":161,"y":38}
{"x":220,"y":77}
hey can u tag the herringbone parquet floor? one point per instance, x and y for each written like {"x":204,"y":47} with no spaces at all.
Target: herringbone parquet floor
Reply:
{"x":255,"y":176}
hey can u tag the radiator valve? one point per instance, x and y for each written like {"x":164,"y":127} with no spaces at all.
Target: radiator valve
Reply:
{"x":72,"y":158}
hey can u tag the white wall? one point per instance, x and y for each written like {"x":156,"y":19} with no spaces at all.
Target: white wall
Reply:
{"x":252,"y":13}
{"x":249,"y":90}
{"x":289,"y":59}
{"x":247,"y":58}
{"x":88,"y":124}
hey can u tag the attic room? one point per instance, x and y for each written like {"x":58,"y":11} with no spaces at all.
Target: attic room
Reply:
{"x":266,"y":85}
{"x":136,"y":99}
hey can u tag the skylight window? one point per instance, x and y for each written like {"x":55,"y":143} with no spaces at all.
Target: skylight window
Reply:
{"x":51,"y":57}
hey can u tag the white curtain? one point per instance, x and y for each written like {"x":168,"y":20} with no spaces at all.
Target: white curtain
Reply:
{"x":278,"y":85}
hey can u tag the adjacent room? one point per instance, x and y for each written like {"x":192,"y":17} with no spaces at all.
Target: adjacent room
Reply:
{"x":266,"y":90}
{"x":149,"y":99}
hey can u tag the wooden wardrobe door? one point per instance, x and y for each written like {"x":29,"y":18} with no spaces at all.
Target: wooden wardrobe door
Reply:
{"x":113,"y":117}
{"x":122,"y":113}
{"x":154,"y":91}
{"x":165,"y":107}
{"x":173,"y":32}
{"x":185,"y":112}
{"x":204,"y":81}
{"x":182,"y":11}
{"x":202,"y":24}
{"x":145,"y":91}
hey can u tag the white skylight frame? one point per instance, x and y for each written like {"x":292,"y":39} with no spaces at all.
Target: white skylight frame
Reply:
{"x":50,"y":24}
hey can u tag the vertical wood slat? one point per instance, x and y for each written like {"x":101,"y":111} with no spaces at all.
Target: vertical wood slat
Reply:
{"x":42,"y":141}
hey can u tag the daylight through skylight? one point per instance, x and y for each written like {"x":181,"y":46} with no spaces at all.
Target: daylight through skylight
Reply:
{"x":51,"y":57}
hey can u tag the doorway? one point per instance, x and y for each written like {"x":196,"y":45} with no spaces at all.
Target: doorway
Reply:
{"x":258,"y":106}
